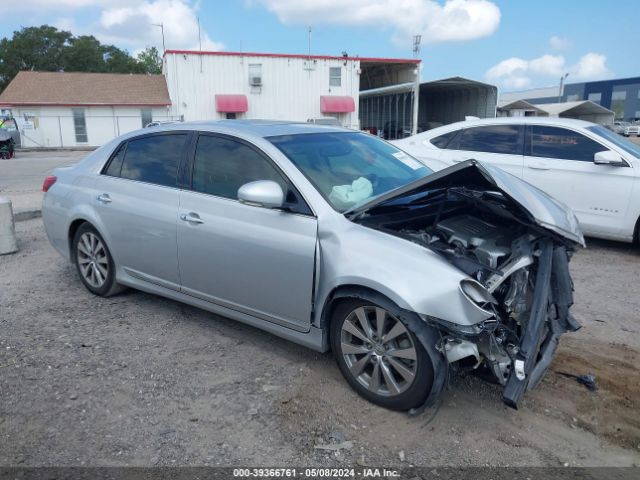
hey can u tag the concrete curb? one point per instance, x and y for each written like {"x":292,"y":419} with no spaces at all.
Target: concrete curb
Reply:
{"x":24,"y":215}
{"x":56,"y":149}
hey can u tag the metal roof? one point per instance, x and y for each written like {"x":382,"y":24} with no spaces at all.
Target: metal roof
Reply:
{"x":257,"y":128}
{"x":295,"y":55}
{"x":581,"y":107}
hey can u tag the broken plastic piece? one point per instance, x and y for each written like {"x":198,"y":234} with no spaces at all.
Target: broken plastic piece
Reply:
{"x":588,"y":380}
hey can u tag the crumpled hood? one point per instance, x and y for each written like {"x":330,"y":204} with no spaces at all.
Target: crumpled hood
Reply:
{"x":545,"y":211}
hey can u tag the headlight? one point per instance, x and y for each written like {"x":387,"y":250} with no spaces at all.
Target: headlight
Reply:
{"x":476,"y":293}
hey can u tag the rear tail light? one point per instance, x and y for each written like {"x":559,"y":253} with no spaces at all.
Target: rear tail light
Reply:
{"x":50,"y":180}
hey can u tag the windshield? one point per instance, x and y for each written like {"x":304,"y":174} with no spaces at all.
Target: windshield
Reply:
{"x":349,"y":168}
{"x":626,"y":145}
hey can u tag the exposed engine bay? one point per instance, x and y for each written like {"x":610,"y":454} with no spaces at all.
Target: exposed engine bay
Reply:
{"x":518,"y":273}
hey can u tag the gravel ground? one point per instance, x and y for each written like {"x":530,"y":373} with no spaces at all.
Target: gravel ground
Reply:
{"x":139,"y":380}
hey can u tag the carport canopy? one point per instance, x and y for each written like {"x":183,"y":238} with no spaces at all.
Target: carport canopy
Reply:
{"x":231,"y":103}
{"x":581,"y":110}
{"x":520,"y":105}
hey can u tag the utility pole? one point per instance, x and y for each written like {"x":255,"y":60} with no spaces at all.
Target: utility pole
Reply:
{"x":417,"y":39}
{"x":161,"y":25}
{"x":562,"y":79}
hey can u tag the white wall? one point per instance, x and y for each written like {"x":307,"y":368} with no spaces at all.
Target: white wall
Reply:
{"x":54,"y":127}
{"x":291,"y":87}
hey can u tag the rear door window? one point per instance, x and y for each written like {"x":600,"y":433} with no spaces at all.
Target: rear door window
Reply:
{"x":506,"y":139}
{"x":561,"y":143}
{"x":154,"y":159}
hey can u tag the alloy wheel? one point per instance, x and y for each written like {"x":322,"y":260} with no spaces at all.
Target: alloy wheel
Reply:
{"x":378,"y":351}
{"x":92,"y":259}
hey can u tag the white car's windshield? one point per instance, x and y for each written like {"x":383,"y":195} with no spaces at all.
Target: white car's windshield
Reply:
{"x":349,"y":168}
{"x":627,"y":145}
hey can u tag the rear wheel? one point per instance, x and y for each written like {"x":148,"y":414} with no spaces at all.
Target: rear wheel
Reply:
{"x":379,"y":356}
{"x":94,"y":262}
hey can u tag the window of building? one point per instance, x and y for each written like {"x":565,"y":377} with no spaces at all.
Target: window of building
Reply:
{"x":80,"y":125}
{"x":555,"y":142}
{"x":595,"y":97}
{"x":147,"y":116}
{"x":618,"y":98}
{"x":442,"y":141}
{"x":255,"y":74}
{"x":619,"y":95}
{"x":154,"y":159}
{"x":222,"y":166}
{"x":493,"y":139}
{"x":335,"y":76}
{"x":573,"y":98}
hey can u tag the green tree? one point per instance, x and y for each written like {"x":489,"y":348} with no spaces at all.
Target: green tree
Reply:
{"x":32,"y":48}
{"x":46,"y":48}
{"x":119,"y":61}
{"x":84,"y":54}
{"x":151,"y":60}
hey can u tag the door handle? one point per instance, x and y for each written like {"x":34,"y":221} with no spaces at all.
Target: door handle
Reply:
{"x":191,"y":217}
{"x":538,"y":166}
{"x":104,"y":198}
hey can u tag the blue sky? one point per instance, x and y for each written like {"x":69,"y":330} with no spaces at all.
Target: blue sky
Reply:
{"x":513,"y":43}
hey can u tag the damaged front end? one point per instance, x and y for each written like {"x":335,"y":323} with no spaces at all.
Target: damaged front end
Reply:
{"x":514,"y":244}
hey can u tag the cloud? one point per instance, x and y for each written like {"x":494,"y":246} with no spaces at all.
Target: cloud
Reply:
{"x":510,"y":73}
{"x":129,"y":24}
{"x":547,"y":65}
{"x":133,"y":26}
{"x":559,"y":43}
{"x":516,"y":73}
{"x":591,"y":66}
{"x":455,"y":20}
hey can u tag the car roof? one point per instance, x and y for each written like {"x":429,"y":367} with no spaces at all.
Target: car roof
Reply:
{"x":257,"y":128}
{"x":569,"y":122}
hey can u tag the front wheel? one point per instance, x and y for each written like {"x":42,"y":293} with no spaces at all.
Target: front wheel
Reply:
{"x":379,"y":356}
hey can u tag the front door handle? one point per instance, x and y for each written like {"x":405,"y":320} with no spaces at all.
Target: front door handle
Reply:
{"x":104,"y":198}
{"x":538,"y":166}
{"x":191,"y":217}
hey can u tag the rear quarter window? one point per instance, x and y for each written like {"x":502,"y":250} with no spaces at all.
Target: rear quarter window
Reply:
{"x":444,"y":140}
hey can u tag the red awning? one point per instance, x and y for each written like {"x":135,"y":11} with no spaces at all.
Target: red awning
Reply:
{"x":231,"y":103}
{"x":336,"y":104}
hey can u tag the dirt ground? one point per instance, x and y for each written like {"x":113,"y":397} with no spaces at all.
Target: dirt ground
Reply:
{"x":139,"y":380}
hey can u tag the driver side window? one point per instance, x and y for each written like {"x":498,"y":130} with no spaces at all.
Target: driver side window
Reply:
{"x":561,"y":143}
{"x":221,"y":166}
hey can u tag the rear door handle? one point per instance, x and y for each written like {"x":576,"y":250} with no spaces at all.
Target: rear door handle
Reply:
{"x":104,"y":198}
{"x":191,"y":217}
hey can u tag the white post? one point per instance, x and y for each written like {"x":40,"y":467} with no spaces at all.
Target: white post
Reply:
{"x":8,"y":242}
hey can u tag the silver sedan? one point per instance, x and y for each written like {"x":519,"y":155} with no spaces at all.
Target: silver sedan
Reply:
{"x":333,"y":239}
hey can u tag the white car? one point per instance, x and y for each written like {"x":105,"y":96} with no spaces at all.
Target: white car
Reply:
{"x":587,"y":166}
{"x":631,"y":129}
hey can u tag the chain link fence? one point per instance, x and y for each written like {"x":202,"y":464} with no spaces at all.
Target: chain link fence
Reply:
{"x":77,"y":129}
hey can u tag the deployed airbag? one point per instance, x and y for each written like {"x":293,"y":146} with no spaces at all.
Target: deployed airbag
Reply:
{"x":346,"y":196}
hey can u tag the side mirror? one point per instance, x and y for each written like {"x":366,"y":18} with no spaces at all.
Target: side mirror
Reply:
{"x":608,"y":157}
{"x":261,"y":193}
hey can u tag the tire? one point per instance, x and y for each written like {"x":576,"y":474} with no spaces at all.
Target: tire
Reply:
{"x":393,"y":389}
{"x":94,"y":262}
